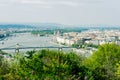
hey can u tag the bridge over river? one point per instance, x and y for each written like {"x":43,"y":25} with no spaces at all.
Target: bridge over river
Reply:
{"x":18,"y":47}
{"x":27,"y":42}
{"x":33,"y":48}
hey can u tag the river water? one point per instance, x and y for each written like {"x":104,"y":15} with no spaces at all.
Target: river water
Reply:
{"x":27,"y":40}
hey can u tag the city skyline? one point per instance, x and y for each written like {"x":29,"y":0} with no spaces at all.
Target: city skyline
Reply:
{"x":74,"y":12}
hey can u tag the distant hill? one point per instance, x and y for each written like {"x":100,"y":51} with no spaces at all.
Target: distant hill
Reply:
{"x":55,"y":26}
{"x":16,"y":26}
{"x":39,"y":26}
{"x":50,"y":26}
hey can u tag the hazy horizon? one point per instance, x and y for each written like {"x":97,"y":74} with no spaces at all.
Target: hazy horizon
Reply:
{"x":68,"y":12}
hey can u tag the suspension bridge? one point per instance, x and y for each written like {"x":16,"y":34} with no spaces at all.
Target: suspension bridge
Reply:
{"x":18,"y":47}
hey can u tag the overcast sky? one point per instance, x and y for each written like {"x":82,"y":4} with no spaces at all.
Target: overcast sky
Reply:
{"x":61,"y":11}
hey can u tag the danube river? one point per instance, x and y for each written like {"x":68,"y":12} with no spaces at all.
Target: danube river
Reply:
{"x":27,"y":40}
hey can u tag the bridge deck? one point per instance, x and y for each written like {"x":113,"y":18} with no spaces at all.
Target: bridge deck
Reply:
{"x":33,"y":48}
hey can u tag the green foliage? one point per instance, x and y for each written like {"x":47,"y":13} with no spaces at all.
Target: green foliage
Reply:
{"x":92,"y":45}
{"x":118,"y":69}
{"x":76,"y":45}
{"x":104,"y":64}
{"x":43,"y":32}
{"x":51,"y":65}
{"x":45,"y":64}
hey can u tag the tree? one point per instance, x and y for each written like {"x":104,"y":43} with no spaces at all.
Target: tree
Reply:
{"x":48,"y":64}
{"x":103,"y":62}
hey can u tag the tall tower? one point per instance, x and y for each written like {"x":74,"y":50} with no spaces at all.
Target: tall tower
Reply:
{"x":59,"y":33}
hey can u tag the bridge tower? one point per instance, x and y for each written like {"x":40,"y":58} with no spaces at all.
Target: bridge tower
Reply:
{"x":17,"y":48}
{"x":60,"y":49}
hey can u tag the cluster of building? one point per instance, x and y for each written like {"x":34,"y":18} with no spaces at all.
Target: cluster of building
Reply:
{"x":95,"y":37}
{"x":90,"y":37}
